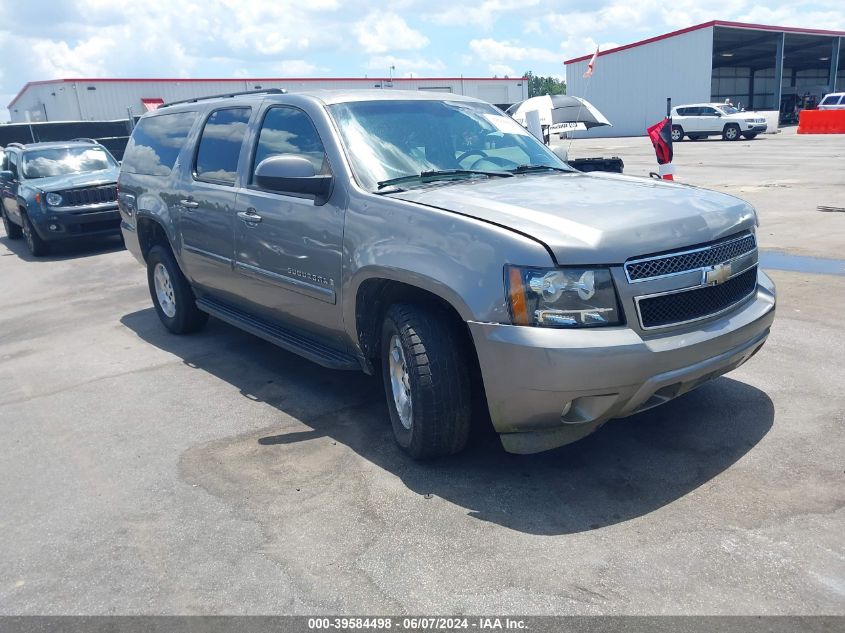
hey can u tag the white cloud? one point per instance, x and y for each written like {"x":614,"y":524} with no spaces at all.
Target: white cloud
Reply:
{"x":403,"y":66}
{"x":502,"y":70}
{"x":59,"y":59}
{"x":485,"y":14}
{"x":295,"y":67}
{"x":382,"y":32}
{"x":489,"y":50}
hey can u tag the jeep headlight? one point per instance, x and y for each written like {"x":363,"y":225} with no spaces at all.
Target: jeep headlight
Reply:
{"x":53,"y":199}
{"x":561,"y":297}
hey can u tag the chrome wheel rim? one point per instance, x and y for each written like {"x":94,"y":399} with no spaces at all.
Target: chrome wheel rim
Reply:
{"x":676,"y":135}
{"x":27,"y":234}
{"x":400,"y":382}
{"x":731,"y":133}
{"x":164,"y":291}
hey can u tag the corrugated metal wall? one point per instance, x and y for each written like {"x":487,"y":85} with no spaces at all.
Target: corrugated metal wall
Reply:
{"x":630,"y":86}
{"x":101,"y":100}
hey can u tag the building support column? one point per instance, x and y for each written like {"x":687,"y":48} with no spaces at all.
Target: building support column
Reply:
{"x":778,"y":71}
{"x":835,"y":45}
{"x":751,"y":104}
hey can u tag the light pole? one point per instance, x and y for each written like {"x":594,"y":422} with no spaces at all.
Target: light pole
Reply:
{"x":392,"y":68}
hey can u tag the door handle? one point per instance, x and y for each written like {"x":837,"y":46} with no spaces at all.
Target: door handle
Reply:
{"x":189,"y":203}
{"x":249,"y":216}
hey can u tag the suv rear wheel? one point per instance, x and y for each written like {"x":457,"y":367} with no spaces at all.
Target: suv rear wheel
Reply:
{"x":172,"y":295}
{"x":13,"y":231}
{"x":731,"y":132}
{"x":677,"y":133}
{"x":34,"y":243}
{"x":426,"y":381}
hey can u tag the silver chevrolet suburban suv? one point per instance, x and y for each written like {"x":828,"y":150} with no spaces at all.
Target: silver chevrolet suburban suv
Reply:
{"x":432,"y":239}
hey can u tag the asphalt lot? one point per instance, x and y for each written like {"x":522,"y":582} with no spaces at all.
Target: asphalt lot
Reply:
{"x":146,"y":473}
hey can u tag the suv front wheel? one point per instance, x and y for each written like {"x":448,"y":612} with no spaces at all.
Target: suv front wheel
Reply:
{"x":172,"y":295}
{"x":426,"y":381}
{"x":731,"y":132}
{"x":34,"y":243}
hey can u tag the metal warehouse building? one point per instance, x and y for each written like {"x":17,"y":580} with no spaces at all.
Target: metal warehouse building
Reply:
{"x":105,"y":99}
{"x":750,"y":64}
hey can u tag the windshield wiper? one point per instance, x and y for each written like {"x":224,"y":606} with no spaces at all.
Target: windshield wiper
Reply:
{"x":524,"y":169}
{"x":441,"y":174}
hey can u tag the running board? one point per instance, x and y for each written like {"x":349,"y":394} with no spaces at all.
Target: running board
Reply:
{"x":286,"y":339}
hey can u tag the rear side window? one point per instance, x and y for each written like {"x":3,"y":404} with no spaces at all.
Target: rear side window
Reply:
{"x":156,"y":142}
{"x":830,"y":100}
{"x":220,"y":145}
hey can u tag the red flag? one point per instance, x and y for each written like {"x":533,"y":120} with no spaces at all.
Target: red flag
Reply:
{"x":592,"y":63}
{"x":661,"y":137}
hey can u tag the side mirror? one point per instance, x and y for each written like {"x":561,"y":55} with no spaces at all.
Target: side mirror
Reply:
{"x":5,"y":176}
{"x":294,"y":175}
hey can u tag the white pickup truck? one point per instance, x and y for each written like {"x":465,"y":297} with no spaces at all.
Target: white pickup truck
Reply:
{"x":700,"y":120}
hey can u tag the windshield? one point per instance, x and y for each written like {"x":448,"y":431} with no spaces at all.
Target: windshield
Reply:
{"x":62,"y":161}
{"x":728,"y":109}
{"x":392,"y":139}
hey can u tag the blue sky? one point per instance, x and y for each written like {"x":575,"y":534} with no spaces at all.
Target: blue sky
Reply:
{"x":332,"y":38}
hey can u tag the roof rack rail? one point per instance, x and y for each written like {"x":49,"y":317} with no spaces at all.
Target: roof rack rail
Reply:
{"x":83,"y":139}
{"x":15,"y":144}
{"x":228,"y":95}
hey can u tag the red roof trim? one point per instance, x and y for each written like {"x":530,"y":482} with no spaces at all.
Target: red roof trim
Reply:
{"x":704,"y":25}
{"x":245,"y":79}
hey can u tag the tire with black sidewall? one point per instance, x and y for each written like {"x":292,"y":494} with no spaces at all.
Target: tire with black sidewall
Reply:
{"x":677,"y":134}
{"x":37,"y":246}
{"x":13,"y":231}
{"x":186,"y":316}
{"x":438,"y":380}
{"x":731,"y":132}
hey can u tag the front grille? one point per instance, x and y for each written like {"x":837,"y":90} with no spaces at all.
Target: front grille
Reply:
{"x":717,"y":253}
{"x":88,"y":195}
{"x":690,"y":305}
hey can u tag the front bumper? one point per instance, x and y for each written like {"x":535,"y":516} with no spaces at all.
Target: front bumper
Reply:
{"x":77,"y":222}
{"x":755,"y":128}
{"x":549,"y":387}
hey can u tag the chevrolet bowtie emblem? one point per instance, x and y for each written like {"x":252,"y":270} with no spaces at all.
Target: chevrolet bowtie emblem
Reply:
{"x":718,"y":274}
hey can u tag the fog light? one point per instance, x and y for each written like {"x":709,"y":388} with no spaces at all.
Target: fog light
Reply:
{"x":54,"y":227}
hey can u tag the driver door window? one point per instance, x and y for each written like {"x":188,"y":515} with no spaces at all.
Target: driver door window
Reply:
{"x":289,"y":131}
{"x":710,"y":120}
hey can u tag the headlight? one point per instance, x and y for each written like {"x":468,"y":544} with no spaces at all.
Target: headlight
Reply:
{"x":561,"y":297}
{"x":53,"y":199}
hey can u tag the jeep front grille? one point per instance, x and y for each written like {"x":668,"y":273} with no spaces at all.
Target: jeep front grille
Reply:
{"x":693,"y":259}
{"x":683,"y":306}
{"x":88,"y":195}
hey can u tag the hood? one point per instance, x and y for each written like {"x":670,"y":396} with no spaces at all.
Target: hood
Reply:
{"x":596,"y":218}
{"x":72,"y":181}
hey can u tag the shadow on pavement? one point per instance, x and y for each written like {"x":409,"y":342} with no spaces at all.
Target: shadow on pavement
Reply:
{"x":625,"y":470}
{"x":61,"y":251}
